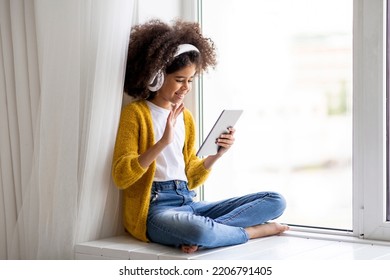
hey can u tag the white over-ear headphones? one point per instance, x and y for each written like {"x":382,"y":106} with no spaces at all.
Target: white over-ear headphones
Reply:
{"x":157,"y":80}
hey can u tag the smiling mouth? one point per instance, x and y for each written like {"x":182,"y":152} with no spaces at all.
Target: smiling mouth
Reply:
{"x":181,"y":95}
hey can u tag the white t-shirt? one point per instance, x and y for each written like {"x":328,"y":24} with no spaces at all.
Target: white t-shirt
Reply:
{"x":170,"y":162}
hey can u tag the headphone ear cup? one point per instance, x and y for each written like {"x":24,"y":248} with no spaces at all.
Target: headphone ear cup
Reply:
{"x":157,"y":81}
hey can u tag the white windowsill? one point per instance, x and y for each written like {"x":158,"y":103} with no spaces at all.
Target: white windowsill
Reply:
{"x":296,"y":244}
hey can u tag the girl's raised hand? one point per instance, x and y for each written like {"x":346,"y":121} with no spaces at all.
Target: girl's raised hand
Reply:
{"x":168,"y":135}
{"x":146,"y":159}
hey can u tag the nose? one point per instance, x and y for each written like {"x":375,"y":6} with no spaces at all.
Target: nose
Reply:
{"x":186,"y":85}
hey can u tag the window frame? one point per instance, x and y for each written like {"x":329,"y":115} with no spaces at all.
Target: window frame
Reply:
{"x":369,"y":116}
{"x":369,"y":121}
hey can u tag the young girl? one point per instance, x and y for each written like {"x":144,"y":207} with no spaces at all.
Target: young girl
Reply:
{"x":154,"y":159}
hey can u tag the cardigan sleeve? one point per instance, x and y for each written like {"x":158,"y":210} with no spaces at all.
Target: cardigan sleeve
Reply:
{"x":126,"y":169}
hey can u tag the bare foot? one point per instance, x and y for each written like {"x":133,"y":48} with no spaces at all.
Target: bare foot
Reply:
{"x":265,"y":230}
{"x":189,"y":248}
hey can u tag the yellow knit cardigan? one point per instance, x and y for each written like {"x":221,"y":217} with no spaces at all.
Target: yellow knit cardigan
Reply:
{"x":135,"y":135}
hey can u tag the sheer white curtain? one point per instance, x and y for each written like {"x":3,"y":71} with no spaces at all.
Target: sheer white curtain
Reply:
{"x":61,"y":76}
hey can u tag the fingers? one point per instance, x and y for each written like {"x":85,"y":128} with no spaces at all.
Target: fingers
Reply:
{"x":231,"y":130}
{"x":226,"y":140}
{"x":171,"y":122}
{"x":177,"y":109}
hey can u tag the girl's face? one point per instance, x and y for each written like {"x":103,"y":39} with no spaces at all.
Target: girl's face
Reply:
{"x":175,"y":88}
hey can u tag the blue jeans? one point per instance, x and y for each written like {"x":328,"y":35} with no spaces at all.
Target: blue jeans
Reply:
{"x":175,"y":219}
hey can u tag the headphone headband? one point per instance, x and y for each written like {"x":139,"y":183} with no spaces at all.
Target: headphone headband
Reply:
{"x":183,"y":48}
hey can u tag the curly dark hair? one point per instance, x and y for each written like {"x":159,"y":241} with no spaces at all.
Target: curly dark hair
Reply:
{"x":152,"y":47}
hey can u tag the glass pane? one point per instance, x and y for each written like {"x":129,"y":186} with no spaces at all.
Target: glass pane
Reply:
{"x":288,"y":64}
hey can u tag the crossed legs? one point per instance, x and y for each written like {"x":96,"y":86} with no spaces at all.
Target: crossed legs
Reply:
{"x":209,"y":225}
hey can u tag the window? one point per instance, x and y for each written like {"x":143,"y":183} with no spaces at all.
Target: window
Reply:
{"x":369,"y":150}
{"x":290,"y":68}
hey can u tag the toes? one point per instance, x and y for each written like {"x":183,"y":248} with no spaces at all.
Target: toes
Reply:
{"x":189,"y":249}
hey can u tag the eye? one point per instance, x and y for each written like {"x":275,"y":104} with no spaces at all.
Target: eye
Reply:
{"x":183,"y":81}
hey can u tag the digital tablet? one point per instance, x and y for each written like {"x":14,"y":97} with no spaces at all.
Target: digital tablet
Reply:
{"x":226,"y":119}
